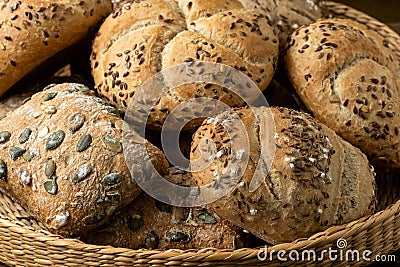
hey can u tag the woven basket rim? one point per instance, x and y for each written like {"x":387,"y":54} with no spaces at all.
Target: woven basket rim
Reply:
{"x":210,"y":255}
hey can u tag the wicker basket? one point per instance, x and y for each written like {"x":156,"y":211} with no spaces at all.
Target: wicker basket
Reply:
{"x":23,"y":242}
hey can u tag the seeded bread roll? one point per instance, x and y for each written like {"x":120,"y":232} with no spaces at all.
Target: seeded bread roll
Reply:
{"x":145,"y":37}
{"x":288,"y":15}
{"x":340,"y":70}
{"x":316,"y":179}
{"x":150,"y":224}
{"x":61,"y":157}
{"x":33,"y":31}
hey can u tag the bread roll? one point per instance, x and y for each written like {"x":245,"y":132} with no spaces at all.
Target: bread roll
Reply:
{"x":61,"y":157}
{"x":150,"y":224}
{"x":143,"y":38}
{"x":316,"y":179}
{"x":33,"y":31}
{"x":344,"y":75}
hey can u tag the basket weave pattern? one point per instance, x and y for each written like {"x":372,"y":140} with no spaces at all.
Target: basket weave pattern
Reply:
{"x":23,"y":242}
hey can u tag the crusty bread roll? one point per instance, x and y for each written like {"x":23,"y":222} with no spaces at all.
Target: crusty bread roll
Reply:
{"x":148,"y":223}
{"x":143,"y":38}
{"x":345,"y":76}
{"x":287,"y":15}
{"x":61,"y":157}
{"x":316,"y":179}
{"x":33,"y":31}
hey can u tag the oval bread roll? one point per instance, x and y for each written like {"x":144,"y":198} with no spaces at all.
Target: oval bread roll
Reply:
{"x":316,"y":179}
{"x":345,"y":75}
{"x":33,"y":31}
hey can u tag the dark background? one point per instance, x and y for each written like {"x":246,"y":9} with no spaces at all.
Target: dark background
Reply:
{"x":384,"y":10}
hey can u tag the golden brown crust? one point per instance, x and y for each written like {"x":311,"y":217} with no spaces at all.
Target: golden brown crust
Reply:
{"x":287,"y":16}
{"x":344,"y":75}
{"x":33,"y":31}
{"x":150,"y":36}
{"x":150,"y":224}
{"x":62,"y":158}
{"x":313,"y":182}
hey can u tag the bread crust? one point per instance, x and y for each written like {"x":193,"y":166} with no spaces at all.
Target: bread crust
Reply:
{"x":287,"y":16}
{"x":63,"y":159}
{"x":33,"y":31}
{"x":172,"y":227}
{"x":316,"y":180}
{"x":143,"y":38}
{"x":345,"y":75}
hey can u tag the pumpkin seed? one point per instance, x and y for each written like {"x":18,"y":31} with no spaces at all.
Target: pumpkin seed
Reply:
{"x":207,"y":218}
{"x":49,"y":86}
{"x":113,"y":196}
{"x":163,"y":207}
{"x":4,"y":137}
{"x":25,"y":177}
{"x":29,"y":155}
{"x":62,"y":220}
{"x":16,"y":152}
{"x":112,"y":110}
{"x":112,"y":144}
{"x":3,"y":171}
{"x":51,"y":186}
{"x":174,"y":236}
{"x":71,"y":90}
{"x":24,"y":136}
{"x":82,"y":88}
{"x":51,"y":110}
{"x":82,"y":174}
{"x":152,"y":241}
{"x":55,"y":140}
{"x":49,"y":96}
{"x":112,"y":179}
{"x":135,"y":222}
{"x":50,"y":168}
{"x":84,"y":143}
{"x":93,"y":218}
{"x":76,"y":122}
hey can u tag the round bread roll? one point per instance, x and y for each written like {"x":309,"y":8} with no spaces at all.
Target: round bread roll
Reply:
{"x":344,"y":75}
{"x":316,"y":179}
{"x":288,"y":15}
{"x":61,"y":157}
{"x":142,"y":38}
{"x":150,"y":224}
{"x":33,"y":31}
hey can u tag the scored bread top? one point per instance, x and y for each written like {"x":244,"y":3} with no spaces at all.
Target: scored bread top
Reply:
{"x":61,"y":157}
{"x":345,"y":75}
{"x":316,"y":179}
{"x":33,"y":31}
{"x":142,"y":38}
